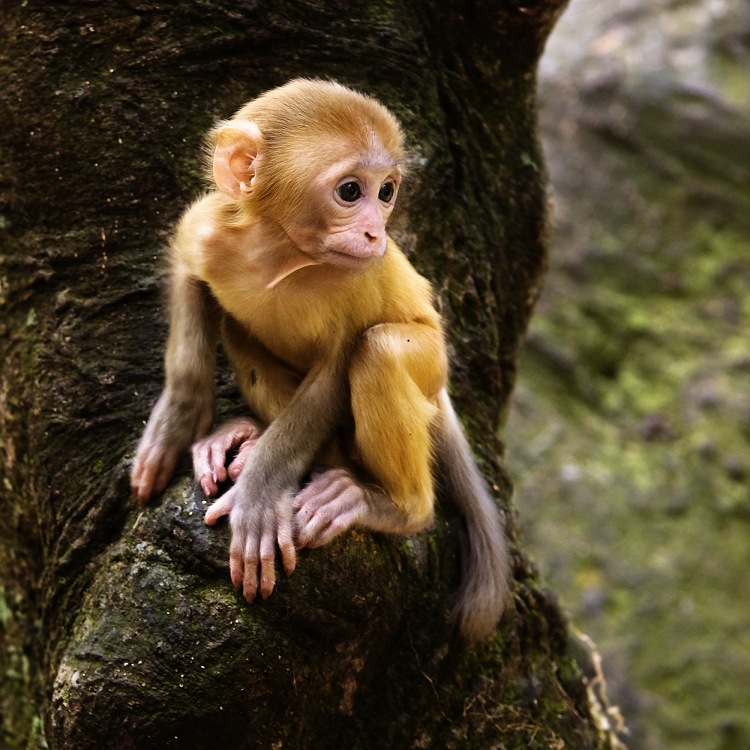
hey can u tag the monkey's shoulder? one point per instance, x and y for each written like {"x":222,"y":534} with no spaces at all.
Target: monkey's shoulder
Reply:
{"x":204,"y":229}
{"x":218,"y":247}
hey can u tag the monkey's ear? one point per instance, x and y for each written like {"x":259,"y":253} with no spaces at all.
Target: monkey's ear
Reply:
{"x":236,"y":156}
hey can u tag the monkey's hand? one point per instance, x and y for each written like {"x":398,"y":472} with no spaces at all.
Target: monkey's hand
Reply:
{"x":210,"y":454}
{"x":260,"y":515}
{"x":173,"y":425}
{"x":331,"y":503}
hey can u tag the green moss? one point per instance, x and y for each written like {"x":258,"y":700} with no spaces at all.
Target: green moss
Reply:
{"x":381,"y":10}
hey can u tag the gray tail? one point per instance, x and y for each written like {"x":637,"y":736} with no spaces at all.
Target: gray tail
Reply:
{"x":485,"y":564}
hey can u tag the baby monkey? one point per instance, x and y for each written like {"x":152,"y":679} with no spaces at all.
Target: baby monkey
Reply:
{"x":335,"y":343}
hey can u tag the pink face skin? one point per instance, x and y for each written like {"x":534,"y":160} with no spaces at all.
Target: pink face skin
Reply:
{"x":351,"y":204}
{"x":345,"y":209}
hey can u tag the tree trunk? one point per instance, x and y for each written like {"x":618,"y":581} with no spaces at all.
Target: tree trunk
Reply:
{"x":120,"y":627}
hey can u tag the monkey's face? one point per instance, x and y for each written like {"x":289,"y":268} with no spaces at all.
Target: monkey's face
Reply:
{"x":347,"y":209}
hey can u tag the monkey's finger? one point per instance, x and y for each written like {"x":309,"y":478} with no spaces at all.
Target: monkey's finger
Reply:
{"x":237,"y":437}
{"x":202,"y":470}
{"x":154,"y":477}
{"x":310,"y":527}
{"x":306,"y":501}
{"x":166,"y":469}
{"x":246,"y":432}
{"x":221,"y":507}
{"x":330,"y":519}
{"x":138,"y":489}
{"x":135,"y":474}
{"x":209,"y":457}
{"x":199,"y":453}
{"x":307,"y":516}
{"x":267,"y":565}
{"x":337,"y":526}
{"x":140,"y":482}
{"x":209,"y":487}
{"x":322,"y":489}
{"x":250,"y":577}
{"x":238,"y":463}
{"x":236,"y":563}
{"x":285,"y":540}
{"x":217,"y":456}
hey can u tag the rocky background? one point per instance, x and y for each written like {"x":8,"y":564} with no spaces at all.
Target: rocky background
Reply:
{"x":629,"y":435}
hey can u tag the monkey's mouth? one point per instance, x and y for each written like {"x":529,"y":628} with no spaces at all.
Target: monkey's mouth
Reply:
{"x":348,"y":261}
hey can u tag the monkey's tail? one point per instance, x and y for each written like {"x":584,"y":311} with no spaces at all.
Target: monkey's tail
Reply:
{"x":485,"y":576}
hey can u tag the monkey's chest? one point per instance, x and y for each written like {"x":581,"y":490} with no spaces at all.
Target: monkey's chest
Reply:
{"x":294,"y":331}
{"x":299,"y":346}
{"x":306,"y":317}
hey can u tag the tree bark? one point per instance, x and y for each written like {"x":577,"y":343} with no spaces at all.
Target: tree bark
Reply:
{"x":120,"y":628}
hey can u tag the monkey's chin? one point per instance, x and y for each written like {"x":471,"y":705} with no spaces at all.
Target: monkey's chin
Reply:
{"x":348,"y":261}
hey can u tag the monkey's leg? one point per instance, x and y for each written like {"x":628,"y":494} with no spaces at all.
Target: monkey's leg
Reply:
{"x":396,"y":372}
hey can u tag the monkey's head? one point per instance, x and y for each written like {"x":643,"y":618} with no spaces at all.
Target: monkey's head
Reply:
{"x":321,"y":161}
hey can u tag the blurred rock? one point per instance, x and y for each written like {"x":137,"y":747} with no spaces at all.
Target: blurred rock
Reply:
{"x":632,"y":427}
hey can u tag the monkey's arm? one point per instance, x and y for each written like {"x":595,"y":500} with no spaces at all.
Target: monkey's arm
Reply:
{"x":268,"y":386}
{"x":260,"y":502}
{"x":184,"y":410}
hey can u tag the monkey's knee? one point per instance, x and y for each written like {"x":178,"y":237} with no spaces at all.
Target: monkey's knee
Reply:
{"x":418,"y":512}
{"x":399,"y":353}
{"x":376,"y":354}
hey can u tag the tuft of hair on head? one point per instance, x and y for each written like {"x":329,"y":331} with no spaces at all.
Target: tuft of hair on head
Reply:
{"x":305,"y":105}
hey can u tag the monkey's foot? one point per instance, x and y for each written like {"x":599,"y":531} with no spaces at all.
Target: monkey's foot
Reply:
{"x":210,"y":454}
{"x":327,"y":507}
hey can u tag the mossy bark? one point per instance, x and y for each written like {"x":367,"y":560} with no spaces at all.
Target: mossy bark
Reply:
{"x":120,"y":627}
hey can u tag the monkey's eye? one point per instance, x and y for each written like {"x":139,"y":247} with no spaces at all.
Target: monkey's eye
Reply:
{"x":387,"y":191}
{"x":349,"y":191}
